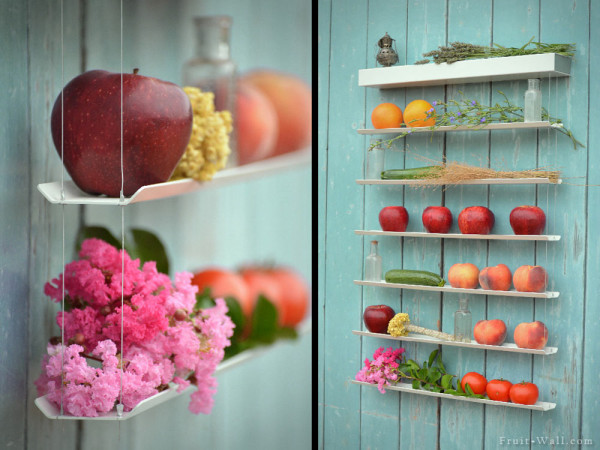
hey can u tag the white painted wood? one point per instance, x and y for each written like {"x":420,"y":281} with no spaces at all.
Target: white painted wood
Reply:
{"x":465,"y":182}
{"x":506,"y":347}
{"x":407,"y":387}
{"x":422,"y":234}
{"x":469,"y":71}
{"x":478,"y":291}
{"x":446,"y":128}
{"x":74,"y":196}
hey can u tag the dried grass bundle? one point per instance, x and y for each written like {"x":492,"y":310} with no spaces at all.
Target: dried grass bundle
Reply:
{"x":454,"y":172}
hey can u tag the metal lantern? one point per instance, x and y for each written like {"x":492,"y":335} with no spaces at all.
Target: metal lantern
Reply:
{"x":386,"y":56}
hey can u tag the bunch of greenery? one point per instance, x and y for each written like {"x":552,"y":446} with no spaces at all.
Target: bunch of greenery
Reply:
{"x":459,"y":51}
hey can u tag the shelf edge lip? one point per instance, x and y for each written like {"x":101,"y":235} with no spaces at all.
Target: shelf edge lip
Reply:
{"x":447,"y":128}
{"x":406,"y":387}
{"x":491,"y":181}
{"x":507,"y":237}
{"x":507,"y":347}
{"x":507,"y":68}
{"x":478,"y":291}
{"x":74,"y":196}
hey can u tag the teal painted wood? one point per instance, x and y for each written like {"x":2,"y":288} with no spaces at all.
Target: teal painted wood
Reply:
{"x":324,"y":19}
{"x":568,"y":378}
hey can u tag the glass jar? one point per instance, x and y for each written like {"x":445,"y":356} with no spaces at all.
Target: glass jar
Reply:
{"x":375,"y":161}
{"x":212,"y":69}
{"x":373,"y":265}
{"x":532,"y":111}
{"x":462,"y":321}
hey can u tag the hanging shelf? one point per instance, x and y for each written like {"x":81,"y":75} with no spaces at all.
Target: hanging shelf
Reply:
{"x":277,"y":164}
{"x":449,"y":289}
{"x":446,"y":128}
{"x":469,"y":71}
{"x":51,"y":411}
{"x":508,"y":347}
{"x":407,"y":387}
{"x":464,"y":182}
{"x":491,"y":237}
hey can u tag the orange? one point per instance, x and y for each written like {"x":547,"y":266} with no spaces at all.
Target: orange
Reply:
{"x":415,"y":114}
{"x":386,"y":115}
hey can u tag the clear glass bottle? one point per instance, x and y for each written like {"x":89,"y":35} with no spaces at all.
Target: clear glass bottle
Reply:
{"x":212,"y":69}
{"x":462,"y":321}
{"x":373,"y":265}
{"x":533,"y":101}
{"x":375,"y":162}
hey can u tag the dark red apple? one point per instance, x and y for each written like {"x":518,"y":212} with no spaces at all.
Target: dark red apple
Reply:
{"x":437,"y":219}
{"x":527,"y":220}
{"x":393,"y":218}
{"x":476,"y":220}
{"x":377,"y":317}
{"x":157,"y":124}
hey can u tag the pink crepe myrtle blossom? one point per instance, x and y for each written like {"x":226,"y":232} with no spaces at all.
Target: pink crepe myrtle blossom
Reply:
{"x":381,"y":371}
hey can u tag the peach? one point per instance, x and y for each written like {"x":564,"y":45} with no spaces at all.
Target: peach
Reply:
{"x":292,"y":100}
{"x":496,"y":278}
{"x":490,"y":332}
{"x":530,"y":279}
{"x":464,"y":276}
{"x":255,"y":123}
{"x":531,"y":335}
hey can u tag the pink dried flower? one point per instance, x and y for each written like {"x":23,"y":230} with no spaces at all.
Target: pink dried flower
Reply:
{"x":382,"y":369}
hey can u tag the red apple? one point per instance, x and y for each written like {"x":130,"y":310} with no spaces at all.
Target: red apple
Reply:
{"x":157,"y":124}
{"x":476,"y":220}
{"x":527,"y":220}
{"x":531,"y":335}
{"x":437,"y":219}
{"x":393,"y":218}
{"x":490,"y":332}
{"x":377,"y":317}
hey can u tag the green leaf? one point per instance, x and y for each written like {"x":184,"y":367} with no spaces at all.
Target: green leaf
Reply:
{"x":98,"y":232}
{"x":468,"y":389}
{"x":204,"y":300}
{"x":236,"y":315}
{"x":459,"y":387}
{"x":440,"y":363}
{"x":447,"y":381}
{"x":286,"y":333}
{"x":416,"y":384}
{"x":146,"y":246}
{"x":264,"y":321}
{"x":413,"y":365}
{"x":432,"y":357}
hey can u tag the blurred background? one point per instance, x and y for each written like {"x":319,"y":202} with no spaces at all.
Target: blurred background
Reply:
{"x":262,"y":403}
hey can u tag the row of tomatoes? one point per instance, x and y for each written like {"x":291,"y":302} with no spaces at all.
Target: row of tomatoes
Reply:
{"x":501,"y":390}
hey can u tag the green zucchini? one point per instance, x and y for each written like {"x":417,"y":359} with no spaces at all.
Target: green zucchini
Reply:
{"x":419,"y":277}
{"x":412,"y":174}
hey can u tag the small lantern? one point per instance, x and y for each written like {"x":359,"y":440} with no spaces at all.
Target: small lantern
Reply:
{"x":386,"y":56}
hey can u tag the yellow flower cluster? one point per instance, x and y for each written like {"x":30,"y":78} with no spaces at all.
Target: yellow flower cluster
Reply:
{"x":208,"y":149}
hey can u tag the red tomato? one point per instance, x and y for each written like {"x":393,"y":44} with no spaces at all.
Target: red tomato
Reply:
{"x":524,"y":393}
{"x":475,"y":380}
{"x":260,"y":282}
{"x":498,"y":390}
{"x":223,"y":283}
{"x":293,"y":298}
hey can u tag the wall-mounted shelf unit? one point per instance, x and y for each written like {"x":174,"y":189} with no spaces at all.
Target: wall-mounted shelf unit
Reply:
{"x":407,"y":387}
{"x":507,"y":347}
{"x":469,"y":71}
{"x":444,"y":129}
{"x":449,"y":289}
{"x":490,"y":237}
{"x":277,"y":164}
{"x":465,"y":182}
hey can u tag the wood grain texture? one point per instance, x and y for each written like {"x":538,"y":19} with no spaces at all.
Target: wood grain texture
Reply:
{"x":568,"y":378}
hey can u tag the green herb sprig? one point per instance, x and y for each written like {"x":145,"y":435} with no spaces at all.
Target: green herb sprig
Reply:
{"x":460,"y":51}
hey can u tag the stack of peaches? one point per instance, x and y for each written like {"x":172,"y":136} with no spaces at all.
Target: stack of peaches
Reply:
{"x":498,"y":278}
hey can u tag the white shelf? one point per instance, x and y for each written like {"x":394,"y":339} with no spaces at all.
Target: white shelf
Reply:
{"x":74,"y":196}
{"x":444,"y":129}
{"x":507,"y":347}
{"x":465,"y":182}
{"x":51,"y":411}
{"x":407,"y":387}
{"x":420,"y":234}
{"x":469,"y":71}
{"x":449,"y":289}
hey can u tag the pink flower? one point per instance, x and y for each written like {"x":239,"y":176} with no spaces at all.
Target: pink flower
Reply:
{"x":382,"y":369}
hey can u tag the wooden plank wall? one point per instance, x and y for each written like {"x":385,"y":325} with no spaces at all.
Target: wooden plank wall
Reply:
{"x":260,"y":404}
{"x":353,"y":417}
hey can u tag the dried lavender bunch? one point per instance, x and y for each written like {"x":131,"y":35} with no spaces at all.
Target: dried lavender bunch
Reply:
{"x":459,"y":51}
